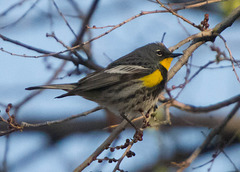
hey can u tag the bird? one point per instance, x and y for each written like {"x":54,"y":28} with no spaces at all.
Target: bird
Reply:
{"x":128,"y":85}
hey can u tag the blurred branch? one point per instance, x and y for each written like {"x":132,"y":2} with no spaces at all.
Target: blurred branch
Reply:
{"x":192,"y":4}
{"x":182,"y":86}
{"x":84,"y":28}
{"x":32,"y":95}
{"x":24,"y":15}
{"x":4,"y":164}
{"x":6,"y":132}
{"x":191,"y":108}
{"x":85,"y":22}
{"x":209,"y":138}
{"x":3,"y":105}
{"x":76,"y":8}
{"x":11,"y":8}
{"x":231,"y":57}
{"x":61,"y":14}
{"x":65,"y":129}
{"x":227,"y":22}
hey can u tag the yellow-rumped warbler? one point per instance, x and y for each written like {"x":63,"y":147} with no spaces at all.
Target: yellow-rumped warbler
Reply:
{"x":131,"y":84}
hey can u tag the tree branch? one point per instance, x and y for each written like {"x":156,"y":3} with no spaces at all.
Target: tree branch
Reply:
{"x":209,"y":138}
{"x":201,"y":38}
{"x":190,"y":108}
{"x":47,"y":123}
{"x":85,"y":22}
{"x":46,"y":53}
{"x":104,"y":145}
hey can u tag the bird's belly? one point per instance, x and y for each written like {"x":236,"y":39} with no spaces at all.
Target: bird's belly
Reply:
{"x":127,"y":98}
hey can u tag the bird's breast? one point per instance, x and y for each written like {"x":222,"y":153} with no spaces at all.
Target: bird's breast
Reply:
{"x":152,"y":79}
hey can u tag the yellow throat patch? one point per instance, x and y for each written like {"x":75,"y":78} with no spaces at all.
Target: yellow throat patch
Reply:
{"x":166,"y":63}
{"x":153,"y":79}
{"x":156,"y":77}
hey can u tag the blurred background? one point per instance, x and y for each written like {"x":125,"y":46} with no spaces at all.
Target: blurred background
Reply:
{"x":63,"y":147}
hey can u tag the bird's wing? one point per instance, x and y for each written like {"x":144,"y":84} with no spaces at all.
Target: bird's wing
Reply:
{"x":111,"y":76}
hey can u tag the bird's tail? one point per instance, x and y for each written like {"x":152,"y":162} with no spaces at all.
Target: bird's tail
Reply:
{"x":65,"y":87}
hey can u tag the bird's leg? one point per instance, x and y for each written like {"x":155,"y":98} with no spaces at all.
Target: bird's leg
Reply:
{"x":139,"y":133}
{"x":130,"y":122}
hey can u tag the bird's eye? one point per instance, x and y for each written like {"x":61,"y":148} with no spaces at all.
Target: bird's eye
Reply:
{"x":159,"y":53}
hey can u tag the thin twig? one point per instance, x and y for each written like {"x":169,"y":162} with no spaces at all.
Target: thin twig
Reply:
{"x":61,"y":14}
{"x":86,"y":21}
{"x":76,"y":8}
{"x":11,"y":8}
{"x":192,"y":4}
{"x":179,"y":16}
{"x":46,"y":53}
{"x":47,"y":123}
{"x":24,"y":15}
{"x":4,"y":163}
{"x":6,"y":132}
{"x":100,"y":27}
{"x":32,"y":95}
{"x":229,"y":159}
{"x":231,"y":57}
{"x":123,"y":156}
{"x":182,"y":86}
{"x":56,"y":54}
{"x":52,"y":35}
{"x":209,"y":138}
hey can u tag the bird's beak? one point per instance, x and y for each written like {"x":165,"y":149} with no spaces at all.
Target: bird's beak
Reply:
{"x":175,"y":55}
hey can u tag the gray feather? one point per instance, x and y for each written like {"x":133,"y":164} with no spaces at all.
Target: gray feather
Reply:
{"x":66,"y":87}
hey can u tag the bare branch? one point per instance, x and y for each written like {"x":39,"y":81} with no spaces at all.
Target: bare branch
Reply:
{"x":4,"y":163}
{"x":11,"y":8}
{"x":227,"y":22}
{"x":32,"y":95}
{"x":15,"y":126}
{"x":114,"y":134}
{"x":192,"y":4}
{"x":85,"y":22}
{"x":46,"y":53}
{"x":47,"y":123}
{"x":179,"y":16}
{"x":201,"y":38}
{"x":123,"y":156}
{"x":209,"y":138}
{"x":61,"y":14}
{"x":231,"y":57}
{"x":190,"y":108}
{"x":24,"y":15}
{"x":52,"y":35}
